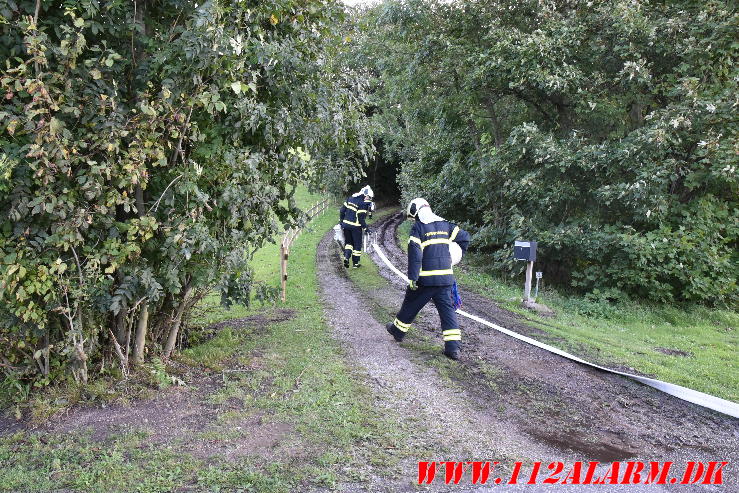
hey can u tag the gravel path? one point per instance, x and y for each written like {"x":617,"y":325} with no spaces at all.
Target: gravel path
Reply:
{"x":539,"y":406}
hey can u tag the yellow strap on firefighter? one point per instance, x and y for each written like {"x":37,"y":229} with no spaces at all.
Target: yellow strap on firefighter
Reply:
{"x":403,"y":327}
{"x":350,"y":223}
{"x":454,"y":233}
{"x":452,"y":335}
{"x":436,"y":241}
{"x":414,"y":240}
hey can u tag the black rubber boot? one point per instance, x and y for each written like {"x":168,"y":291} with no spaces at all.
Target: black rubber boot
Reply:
{"x":346,"y":263}
{"x":451,"y":350}
{"x":393,"y":331}
{"x":357,"y":266}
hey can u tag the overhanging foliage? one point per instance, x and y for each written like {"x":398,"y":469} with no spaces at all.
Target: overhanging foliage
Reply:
{"x":147,"y":147}
{"x":605,"y":130}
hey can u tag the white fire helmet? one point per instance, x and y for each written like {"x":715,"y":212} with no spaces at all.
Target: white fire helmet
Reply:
{"x":414,"y":206}
{"x":420,"y":208}
{"x":367,"y":191}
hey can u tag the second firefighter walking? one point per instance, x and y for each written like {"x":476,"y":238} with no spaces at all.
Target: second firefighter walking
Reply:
{"x":352,"y":217}
{"x":430,"y":274}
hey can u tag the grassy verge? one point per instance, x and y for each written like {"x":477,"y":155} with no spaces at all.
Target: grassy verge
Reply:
{"x":283,"y":368}
{"x":691,"y":346}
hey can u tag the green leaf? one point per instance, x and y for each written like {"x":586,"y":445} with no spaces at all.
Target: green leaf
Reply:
{"x":147,"y":110}
{"x":55,"y":125}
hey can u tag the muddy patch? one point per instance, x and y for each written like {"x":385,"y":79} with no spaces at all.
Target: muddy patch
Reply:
{"x":248,"y":437}
{"x":195,"y":416}
{"x":592,"y":447}
{"x":674,"y":352}
{"x":254,"y":321}
{"x":9,"y":425}
{"x":171,"y":414}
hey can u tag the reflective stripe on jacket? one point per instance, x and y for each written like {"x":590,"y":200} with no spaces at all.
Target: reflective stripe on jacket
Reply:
{"x":353,"y":213}
{"x":429,"y":261}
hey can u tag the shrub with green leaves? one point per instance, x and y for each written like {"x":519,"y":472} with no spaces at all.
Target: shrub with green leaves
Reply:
{"x":146,"y":148}
{"x":605,"y":130}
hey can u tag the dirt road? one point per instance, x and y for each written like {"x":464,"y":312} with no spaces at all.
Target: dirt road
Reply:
{"x":508,"y":400}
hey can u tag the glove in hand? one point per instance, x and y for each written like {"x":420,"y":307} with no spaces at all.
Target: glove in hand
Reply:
{"x":413,"y":285}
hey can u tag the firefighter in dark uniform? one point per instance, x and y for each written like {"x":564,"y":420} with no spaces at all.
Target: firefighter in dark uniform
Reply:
{"x":430,"y":274}
{"x":352,"y":217}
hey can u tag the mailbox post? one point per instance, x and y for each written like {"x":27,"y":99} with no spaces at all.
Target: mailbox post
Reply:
{"x":526,"y":250}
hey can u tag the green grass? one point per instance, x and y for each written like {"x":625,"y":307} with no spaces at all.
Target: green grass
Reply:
{"x":265,"y":264}
{"x":290,"y":372}
{"x":45,"y":463}
{"x":628,"y":334}
{"x":404,"y":232}
{"x":625,"y":334}
{"x":214,"y":352}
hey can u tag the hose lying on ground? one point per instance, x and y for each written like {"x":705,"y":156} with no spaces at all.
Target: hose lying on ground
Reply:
{"x":684,"y":393}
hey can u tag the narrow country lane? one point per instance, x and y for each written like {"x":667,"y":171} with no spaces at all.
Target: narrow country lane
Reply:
{"x":511,"y":402}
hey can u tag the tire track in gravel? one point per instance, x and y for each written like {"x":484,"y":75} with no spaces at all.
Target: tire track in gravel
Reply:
{"x":570,"y":407}
{"x":463,"y":421}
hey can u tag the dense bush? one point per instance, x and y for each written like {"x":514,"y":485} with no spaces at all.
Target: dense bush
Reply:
{"x":146,"y":148}
{"x":605,"y":130}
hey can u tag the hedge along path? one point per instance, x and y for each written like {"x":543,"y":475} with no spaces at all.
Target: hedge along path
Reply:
{"x":702,"y":399}
{"x":287,"y":240}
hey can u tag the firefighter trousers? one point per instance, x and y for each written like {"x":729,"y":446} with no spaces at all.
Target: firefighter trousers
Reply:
{"x":353,"y":244}
{"x":442,"y":296}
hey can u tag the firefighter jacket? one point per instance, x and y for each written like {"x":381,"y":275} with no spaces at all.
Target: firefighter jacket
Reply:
{"x":353,"y":213}
{"x":429,"y":261}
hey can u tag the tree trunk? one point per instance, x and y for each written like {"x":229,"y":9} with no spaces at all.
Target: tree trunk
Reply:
{"x":141,"y":328}
{"x":143,"y":322}
{"x":119,"y":323}
{"x":140,"y":208}
{"x":176,"y":323}
{"x":636,"y":115}
{"x":565,"y":114}
{"x":494,"y":121}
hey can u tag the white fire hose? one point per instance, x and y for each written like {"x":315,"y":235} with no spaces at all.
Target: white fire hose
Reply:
{"x":684,"y":393}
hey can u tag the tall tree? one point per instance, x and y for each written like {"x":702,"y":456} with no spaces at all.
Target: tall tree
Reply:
{"x":606,"y":130}
{"x":146,"y":148}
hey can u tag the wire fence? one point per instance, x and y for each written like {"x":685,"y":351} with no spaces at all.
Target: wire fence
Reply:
{"x":290,"y":236}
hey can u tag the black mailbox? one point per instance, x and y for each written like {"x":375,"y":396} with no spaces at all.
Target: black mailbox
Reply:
{"x":524,"y":250}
